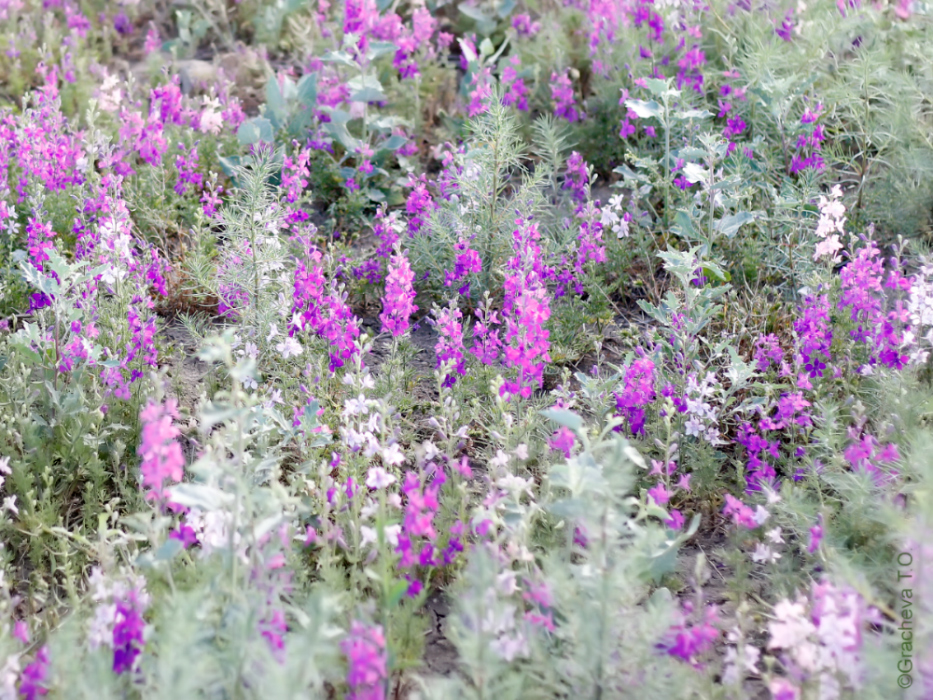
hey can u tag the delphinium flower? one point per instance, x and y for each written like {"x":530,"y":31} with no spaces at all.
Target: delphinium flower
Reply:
{"x":398,"y":302}
{"x":809,"y":143}
{"x":610,"y":216}
{"x":365,"y":649}
{"x":449,"y":347}
{"x":831,"y":225}
{"x":563,"y":97}
{"x":814,"y":336}
{"x":210,"y":198}
{"x":863,"y":295}
{"x":486,"y":342}
{"x":691,"y":68}
{"x":516,"y":93}
{"x":786,"y":28}
{"x":768,"y":352}
{"x":563,"y":441}
{"x":702,"y":412}
{"x":360,"y":17}
{"x":417,"y":537}
{"x":783,"y":689}
{"x":128,"y":630}
{"x":422,"y":29}
{"x":419,"y":205}
{"x":162,"y":458}
{"x":690,"y":641}
{"x":325,"y":313}
{"x":466,"y":262}
{"x":32,"y":682}
{"x":525,"y":310}
{"x":295,"y":174}
{"x":816,"y":535}
{"x":386,"y":228}
{"x":636,"y":392}
{"x":584,"y":253}
{"x":868,"y":456}
{"x":577,"y":179}
{"x":186,"y":163}
{"x":627,"y":128}
{"x":821,"y":639}
{"x":121,"y":600}
{"x":524,"y":25}
{"x":481,"y":92}
{"x":39,"y":236}
{"x":740,"y":513}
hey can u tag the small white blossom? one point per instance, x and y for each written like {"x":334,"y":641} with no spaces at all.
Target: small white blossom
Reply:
{"x":393,"y":455}
{"x":379,"y":478}
{"x":764,"y":554}
{"x":289,"y":348}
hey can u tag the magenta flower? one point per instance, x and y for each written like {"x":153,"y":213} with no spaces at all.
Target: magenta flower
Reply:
{"x":526,"y":308}
{"x":162,"y":458}
{"x":563,"y":97}
{"x":563,"y":441}
{"x":816,"y":535}
{"x":32,"y":681}
{"x":449,"y":347}
{"x":398,"y":302}
{"x":127,"y":634}
{"x":365,"y":650}
{"x":740,"y":513}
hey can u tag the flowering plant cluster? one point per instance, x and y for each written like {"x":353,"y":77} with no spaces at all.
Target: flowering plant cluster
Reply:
{"x":495,"y":349}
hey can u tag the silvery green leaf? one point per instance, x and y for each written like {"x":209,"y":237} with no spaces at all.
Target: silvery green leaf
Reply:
{"x":169,"y":550}
{"x":656,"y":86}
{"x":694,"y":172}
{"x":694,"y":114}
{"x":366,"y":88}
{"x":563,"y":417}
{"x":307,"y":90}
{"x":255,"y":130}
{"x":377,"y":49}
{"x":644,"y":109}
{"x":341,"y":57}
{"x":634,"y":456}
{"x":201,"y":496}
{"x":729,"y":225}
{"x":464,"y":46}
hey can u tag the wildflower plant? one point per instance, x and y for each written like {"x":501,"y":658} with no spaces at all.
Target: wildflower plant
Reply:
{"x":379,"y":350}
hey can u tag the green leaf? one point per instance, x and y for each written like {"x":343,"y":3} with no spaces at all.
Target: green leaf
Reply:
{"x":713,"y":270}
{"x":683,"y":225}
{"x":339,"y":131}
{"x":396,"y":592}
{"x":464,"y":46}
{"x":366,"y":88}
{"x":693,"y":114}
{"x":729,"y":225}
{"x":695,"y":172}
{"x":307,"y":90}
{"x":505,"y":8}
{"x":169,"y":550}
{"x":275,"y":100}
{"x":474,"y":13}
{"x":341,"y":57}
{"x":206,"y":498}
{"x":393,"y":143}
{"x":644,"y":109}
{"x":563,"y":417}
{"x":656,"y":86}
{"x":255,"y":130}
{"x":377,"y":49}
